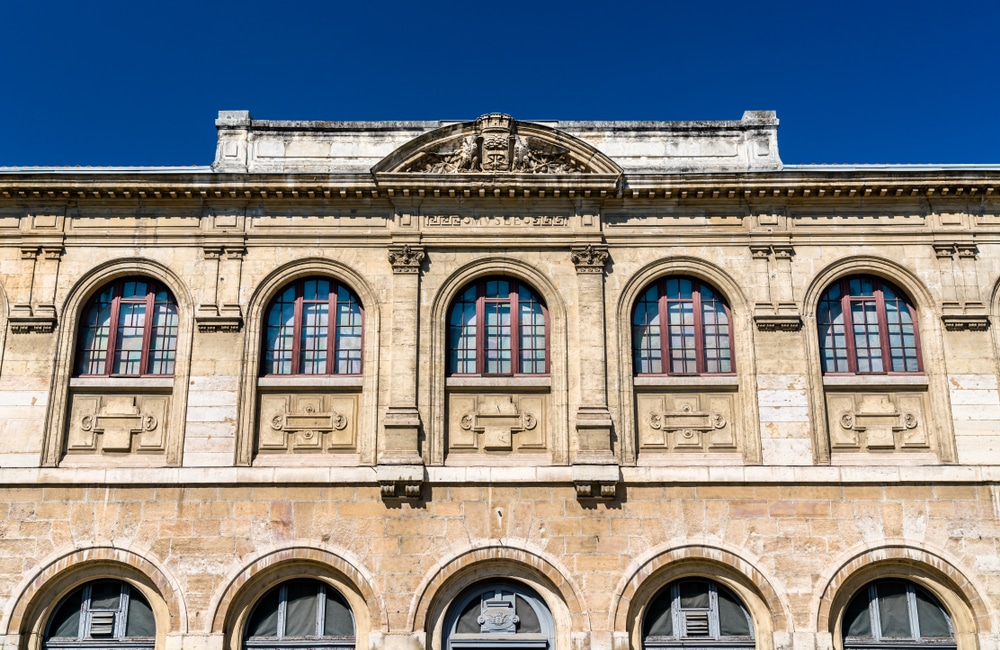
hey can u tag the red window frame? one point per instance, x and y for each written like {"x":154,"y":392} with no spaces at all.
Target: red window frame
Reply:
{"x":153,"y":287}
{"x":885,"y":349}
{"x":333,"y":329}
{"x":481,"y":301}
{"x":663,"y":301}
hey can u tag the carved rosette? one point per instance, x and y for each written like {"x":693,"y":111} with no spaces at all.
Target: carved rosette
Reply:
{"x":589,"y":259}
{"x":406,"y":258}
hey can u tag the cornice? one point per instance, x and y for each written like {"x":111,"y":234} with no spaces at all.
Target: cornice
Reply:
{"x":40,"y":187}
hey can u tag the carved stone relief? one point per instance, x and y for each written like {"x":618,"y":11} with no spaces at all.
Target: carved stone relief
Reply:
{"x":496,"y":423}
{"x":117,"y":423}
{"x":686,"y":422}
{"x":877,"y":421}
{"x":496,"y":147}
{"x":307,"y":422}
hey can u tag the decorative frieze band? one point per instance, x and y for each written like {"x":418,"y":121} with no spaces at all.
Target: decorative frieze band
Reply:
{"x":406,"y":258}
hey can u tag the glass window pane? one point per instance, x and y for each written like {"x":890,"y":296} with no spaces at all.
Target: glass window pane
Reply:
{"x":931,"y":617}
{"x":857,"y":618}
{"x":300,"y":612}
{"x":264,"y":618}
{"x":338,"y":620}
{"x":140,"y":616}
{"x":893,"y":610}
{"x":694,"y":594}
{"x":65,"y":624}
{"x":733,"y":619}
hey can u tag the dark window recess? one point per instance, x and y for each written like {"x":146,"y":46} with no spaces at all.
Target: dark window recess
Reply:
{"x":681,"y":326}
{"x":700,"y":611}
{"x":298,"y":614}
{"x":498,"y":326}
{"x":897,"y":614}
{"x":313,"y":327}
{"x":867,"y":326}
{"x":108,"y":611}
{"x":128,"y":329}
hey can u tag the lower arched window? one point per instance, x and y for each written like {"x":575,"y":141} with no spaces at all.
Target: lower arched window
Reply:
{"x":102,"y":614}
{"x":300,"y":614}
{"x":697,"y":613}
{"x":499,"y":615}
{"x":896,"y":614}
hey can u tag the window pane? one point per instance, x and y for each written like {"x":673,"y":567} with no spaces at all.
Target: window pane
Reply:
{"x":857,"y":618}
{"x":338,"y":620}
{"x":264,"y":619}
{"x":694,"y":594}
{"x":532,"y":333}
{"x":105,"y":595}
{"x":300,"y":612}
{"x":893,"y":610}
{"x":931,"y":617}
{"x":732,"y":617}
{"x":659,"y":620}
{"x":140,"y":616}
{"x":65,"y":623}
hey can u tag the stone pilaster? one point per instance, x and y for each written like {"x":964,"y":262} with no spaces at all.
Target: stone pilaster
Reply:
{"x":400,"y":444}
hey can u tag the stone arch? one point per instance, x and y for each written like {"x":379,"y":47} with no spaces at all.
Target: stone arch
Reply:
{"x":451,"y":576}
{"x":743,"y":329}
{"x":262,"y":295}
{"x":232,"y":604}
{"x":35,"y":600}
{"x":446,"y":293}
{"x":954,"y":589}
{"x":76,"y":299}
{"x":932,"y":347}
{"x":772,"y":619}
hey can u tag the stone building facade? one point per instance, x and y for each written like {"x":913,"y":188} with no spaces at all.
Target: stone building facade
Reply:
{"x":500,"y":384}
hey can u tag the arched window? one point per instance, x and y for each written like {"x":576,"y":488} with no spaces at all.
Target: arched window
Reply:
{"x":496,"y":615}
{"x":129,"y":329}
{"x":681,"y":326}
{"x":102,"y":614}
{"x":896,"y":614}
{"x":498,"y":326}
{"x":697,"y":613}
{"x":313,"y":327}
{"x":867,"y":326}
{"x":300,"y":614}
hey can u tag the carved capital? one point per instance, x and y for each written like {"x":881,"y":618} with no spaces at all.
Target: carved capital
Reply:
{"x":589,"y":259}
{"x":406,"y":258}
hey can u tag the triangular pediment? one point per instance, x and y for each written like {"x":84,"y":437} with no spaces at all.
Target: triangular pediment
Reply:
{"x":497,"y":144}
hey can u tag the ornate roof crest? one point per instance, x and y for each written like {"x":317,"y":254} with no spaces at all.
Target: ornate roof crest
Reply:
{"x":497,"y":144}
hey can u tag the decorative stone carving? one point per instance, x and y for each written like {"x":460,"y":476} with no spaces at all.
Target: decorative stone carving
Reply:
{"x":295,"y":423}
{"x":589,"y":259}
{"x":406,"y":258}
{"x":877,"y":421}
{"x":117,"y":423}
{"x":678,"y":422}
{"x":496,"y":423}
{"x":496,"y":148}
{"x":498,"y":616}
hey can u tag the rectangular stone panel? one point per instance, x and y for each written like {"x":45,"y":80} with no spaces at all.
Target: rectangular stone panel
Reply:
{"x":692,"y":421}
{"x":877,"y":421}
{"x":117,"y":423}
{"x":307,"y":422}
{"x":497,"y":423}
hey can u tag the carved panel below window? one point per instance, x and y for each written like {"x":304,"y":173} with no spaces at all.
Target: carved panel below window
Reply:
{"x":692,"y":422}
{"x":117,"y":423}
{"x":878,"y":421}
{"x":307,"y":423}
{"x":497,"y":423}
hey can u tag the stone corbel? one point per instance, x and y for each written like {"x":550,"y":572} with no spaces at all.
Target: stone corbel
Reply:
{"x":589,"y":258}
{"x":406,"y":258}
{"x":596,"y":481}
{"x":961,"y":308}
{"x":775,"y":311}
{"x":400,"y":481}
{"x":213,"y":316}
{"x":34,"y":316}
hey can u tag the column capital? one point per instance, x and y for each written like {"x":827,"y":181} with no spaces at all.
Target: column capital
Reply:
{"x":406,"y":258}
{"x":589,"y":258}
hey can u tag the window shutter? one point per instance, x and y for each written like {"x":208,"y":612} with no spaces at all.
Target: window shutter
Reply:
{"x":102,"y":623}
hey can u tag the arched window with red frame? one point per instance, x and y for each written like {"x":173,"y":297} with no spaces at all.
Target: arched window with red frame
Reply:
{"x":681,"y":326}
{"x":128,"y":329}
{"x":867,"y":326}
{"x":498,"y":326}
{"x":314,"y":326}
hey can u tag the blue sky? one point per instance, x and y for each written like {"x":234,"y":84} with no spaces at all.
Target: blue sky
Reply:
{"x":138,"y":83}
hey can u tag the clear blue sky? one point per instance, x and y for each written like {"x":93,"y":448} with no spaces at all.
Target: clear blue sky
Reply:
{"x":140,"y":83}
